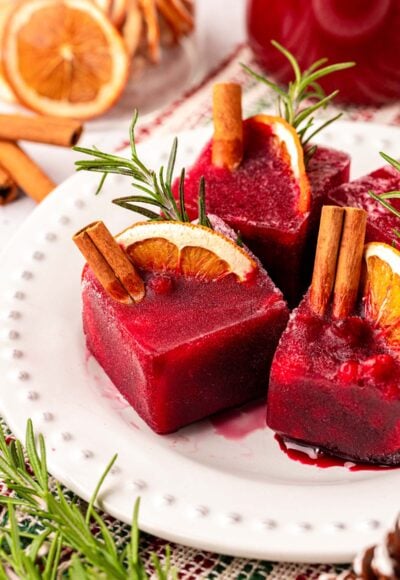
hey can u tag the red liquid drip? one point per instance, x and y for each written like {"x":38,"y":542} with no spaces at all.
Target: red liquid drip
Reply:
{"x":236,"y":424}
{"x":323,"y":461}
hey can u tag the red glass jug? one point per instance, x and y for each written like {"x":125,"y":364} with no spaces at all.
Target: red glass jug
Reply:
{"x":364,"y":31}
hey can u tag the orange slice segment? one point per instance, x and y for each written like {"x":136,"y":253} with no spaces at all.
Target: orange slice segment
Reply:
{"x":75,"y":66}
{"x":188,"y":249}
{"x":291,"y":149}
{"x":382,"y":289}
{"x":6,"y":93}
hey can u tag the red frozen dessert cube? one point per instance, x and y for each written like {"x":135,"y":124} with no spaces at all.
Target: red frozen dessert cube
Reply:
{"x":381,"y":224}
{"x":190,"y":348}
{"x":260,"y":199}
{"x":335,"y":385}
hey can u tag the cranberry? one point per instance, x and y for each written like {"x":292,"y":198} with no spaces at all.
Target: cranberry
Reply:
{"x":160,"y":284}
{"x":378,"y":367}
{"x":349,"y":372}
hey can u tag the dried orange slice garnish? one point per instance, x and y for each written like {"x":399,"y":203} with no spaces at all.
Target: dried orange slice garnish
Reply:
{"x":64,"y":58}
{"x":291,"y":149}
{"x":382,"y":289}
{"x":188,"y":249}
{"x":6,"y":93}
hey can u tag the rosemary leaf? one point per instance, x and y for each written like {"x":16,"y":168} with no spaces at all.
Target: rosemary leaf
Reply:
{"x":385,"y":203}
{"x":93,"y":499}
{"x":304,"y":87}
{"x":390,"y":195}
{"x":383,"y":197}
{"x":156,"y":185}
{"x":65,"y":527}
{"x":393,"y":162}
{"x":321,"y":128}
{"x":151,"y":215}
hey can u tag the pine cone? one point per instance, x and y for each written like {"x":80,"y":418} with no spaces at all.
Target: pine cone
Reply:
{"x":380,"y":562}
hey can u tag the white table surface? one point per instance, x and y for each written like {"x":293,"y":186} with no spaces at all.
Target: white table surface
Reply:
{"x":220,"y":27}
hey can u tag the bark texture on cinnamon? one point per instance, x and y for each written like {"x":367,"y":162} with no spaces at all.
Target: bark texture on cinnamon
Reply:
{"x":348,"y":271}
{"x":40,"y":129}
{"x":323,"y":280}
{"x":227,"y":146}
{"x":24,"y":171}
{"x":109,"y":263}
{"x":337,"y":267}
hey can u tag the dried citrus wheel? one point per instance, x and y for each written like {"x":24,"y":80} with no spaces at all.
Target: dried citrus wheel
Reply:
{"x":6,"y":93}
{"x":292,"y":150}
{"x":382,"y":289}
{"x":185,"y":248}
{"x":64,"y":58}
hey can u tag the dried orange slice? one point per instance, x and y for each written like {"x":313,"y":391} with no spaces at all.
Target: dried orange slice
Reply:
{"x":75,"y":65}
{"x":6,"y":93}
{"x":292,"y":150}
{"x":382,"y":289}
{"x":188,"y":249}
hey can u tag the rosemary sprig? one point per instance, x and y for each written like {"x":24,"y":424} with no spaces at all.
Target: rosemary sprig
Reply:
{"x":382,"y":198}
{"x":66,"y":546}
{"x":155,"y":187}
{"x":304,"y":87}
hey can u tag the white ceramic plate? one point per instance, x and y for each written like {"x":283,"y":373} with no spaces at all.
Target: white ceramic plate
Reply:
{"x":241,"y":497}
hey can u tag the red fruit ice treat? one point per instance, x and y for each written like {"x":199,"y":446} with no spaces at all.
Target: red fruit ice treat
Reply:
{"x":334,"y":381}
{"x":257,"y":182}
{"x":381,"y":224}
{"x":201,"y":335}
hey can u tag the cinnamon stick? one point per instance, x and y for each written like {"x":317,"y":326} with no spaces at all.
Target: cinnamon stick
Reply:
{"x":153,"y":29}
{"x":227,"y":147}
{"x":109,"y":263}
{"x":329,"y":236}
{"x":41,"y":129}
{"x":348,"y":270}
{"x":24,"y":171}
{"x":177,"y":15}
{"x":8,"y":188}
{"x":132,"y":28}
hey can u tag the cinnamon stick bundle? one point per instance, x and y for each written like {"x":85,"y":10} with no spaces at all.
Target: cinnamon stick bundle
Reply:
{"x":24,"y":171}
{"x":227,"y":146}
{"x":109,"y":263}
{"x":337,"y":266}
{"x":40,"y":129}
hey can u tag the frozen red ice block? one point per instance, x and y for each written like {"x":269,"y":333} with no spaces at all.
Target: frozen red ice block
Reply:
{"x":190,"y":348}
{"x":259,"y":200}
{"x":381,"y":222}
{"x":335,"y":385}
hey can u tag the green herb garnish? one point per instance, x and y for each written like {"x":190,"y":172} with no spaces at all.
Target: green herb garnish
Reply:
{"x":155,"y":187}
{"x":382,"y":198}
{"x":304,"y":87}
{"x":67,"y":545}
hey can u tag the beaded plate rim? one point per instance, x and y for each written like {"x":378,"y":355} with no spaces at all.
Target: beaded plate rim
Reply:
{"x":174,"y":507}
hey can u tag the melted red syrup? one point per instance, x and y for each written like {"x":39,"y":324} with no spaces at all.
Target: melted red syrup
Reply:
{"x":236,"y":424}
{"x":323,"y":461}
